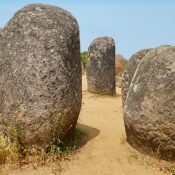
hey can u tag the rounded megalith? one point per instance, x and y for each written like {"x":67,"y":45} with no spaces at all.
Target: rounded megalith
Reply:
{"x":100,"y":68}
{"x":119,"y":65}
{"x":149,"y":109}
{"x":0,"y":32}
{"x":129,"y":71}
{"x":40,"y":74}
{"x":118,"y":81}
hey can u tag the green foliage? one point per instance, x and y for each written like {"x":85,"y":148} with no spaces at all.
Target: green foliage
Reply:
{"x":55,"y":145}
{"x":58,"y":149}
{"x":123,"y":139}
{"x":171,"y":168}
{"x":133,"y":154}
{"x":66,"y":147}
{"x":84,"y":58}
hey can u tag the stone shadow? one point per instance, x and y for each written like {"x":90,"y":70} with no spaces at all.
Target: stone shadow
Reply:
{"x":91,"y":132}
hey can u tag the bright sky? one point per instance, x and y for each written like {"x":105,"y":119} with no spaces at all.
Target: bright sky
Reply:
{"x":133,"y":24}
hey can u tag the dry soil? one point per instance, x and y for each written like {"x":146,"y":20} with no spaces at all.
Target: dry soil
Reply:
{"x":105,"y":150}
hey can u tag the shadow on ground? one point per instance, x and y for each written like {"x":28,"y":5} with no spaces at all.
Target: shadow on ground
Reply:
{"x":91,"y":132}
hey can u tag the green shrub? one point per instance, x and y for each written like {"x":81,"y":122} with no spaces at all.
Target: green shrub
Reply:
{"x":84,"y":58}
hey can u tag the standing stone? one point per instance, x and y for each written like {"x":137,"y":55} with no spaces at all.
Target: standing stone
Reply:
{"x":118,"y":81}
{"x":100,"y":68}
{"x":0,"y":32}
{"x":149,"y":110}
{"x":119,"y":65}
{"x":40,"y":73}
{"x":129,"y":71}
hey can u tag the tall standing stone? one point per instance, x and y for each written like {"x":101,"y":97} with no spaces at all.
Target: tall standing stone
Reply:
{"x":40,"y":73}
{"x":0,"y":32}
{"x":149,"y":110}
{"x":119,"y":65}
{"x":129,"y":71}
{"x":100,"y":68}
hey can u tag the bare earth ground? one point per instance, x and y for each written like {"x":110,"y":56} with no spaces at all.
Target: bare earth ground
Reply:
{"x":103,"y":151}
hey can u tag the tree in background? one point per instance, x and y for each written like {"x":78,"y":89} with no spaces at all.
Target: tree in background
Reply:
{"x":84,"y":58}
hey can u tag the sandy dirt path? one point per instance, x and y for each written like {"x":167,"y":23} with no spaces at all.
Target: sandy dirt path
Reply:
{"x":103,"y":153}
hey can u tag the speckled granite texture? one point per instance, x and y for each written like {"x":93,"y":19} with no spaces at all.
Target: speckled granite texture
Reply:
{"x":100,"y":68}
{"x":149,"y":109}
{"x":40,"y":73}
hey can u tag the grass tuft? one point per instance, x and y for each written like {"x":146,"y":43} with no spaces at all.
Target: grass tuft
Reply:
{"x":11,"y":151}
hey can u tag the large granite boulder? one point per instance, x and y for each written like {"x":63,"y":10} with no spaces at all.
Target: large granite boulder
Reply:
{"x":149,"y":110}
{"x":129,"y":71}
{"x":100,"y":68}
{"x":119,"y":65}
{"x":0,"y":32}
{"x":40,"y":74}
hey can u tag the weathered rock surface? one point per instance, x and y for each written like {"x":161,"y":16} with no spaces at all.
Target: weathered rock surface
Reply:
{"x":118,"y":81}
{"x":0,"y":32}
{"x":100,"y":68}
{"x":40,"y":74}
{"x":129,"y":71}
{"x":119,"y":65}
{"x":149,"y":110}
